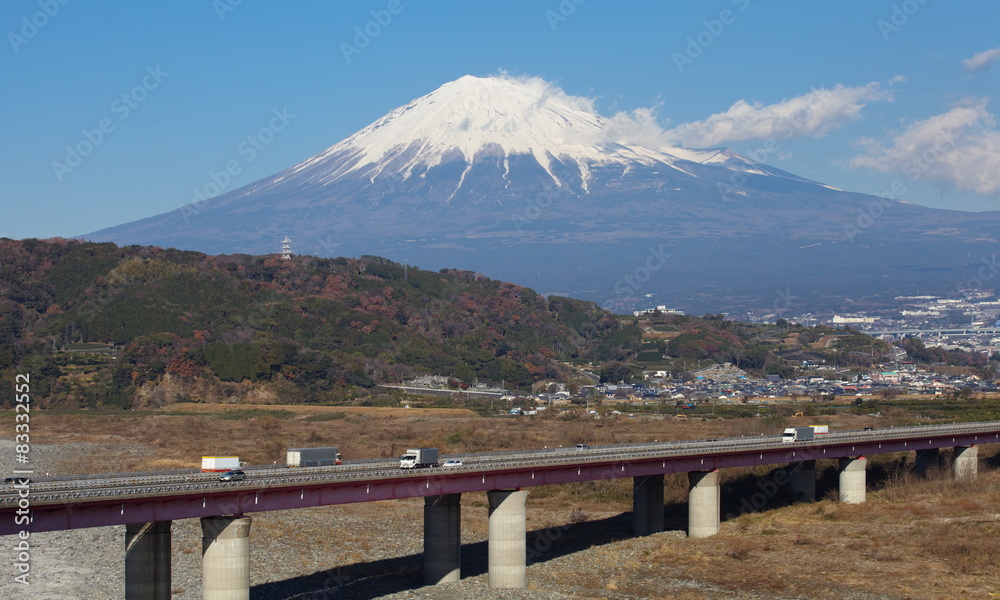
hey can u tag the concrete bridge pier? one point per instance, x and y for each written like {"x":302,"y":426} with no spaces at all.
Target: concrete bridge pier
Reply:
{"x":147,"y":561}
{"x":507,"y":546}
{"x":442,"y":538}
{"x":853,"y":480}
{"x":703,"y":504}
{"x":926,"y":460}
{"x":802,"y":481}
{"x":966,"y":463}
{"x":225,"y":552}
{"x":647,"y":504}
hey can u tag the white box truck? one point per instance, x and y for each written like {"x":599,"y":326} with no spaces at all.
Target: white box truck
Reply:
{"x":820,"y":429}
{"x":219,"y":464}
{"x":313,"y":457}
{"x":419,"y":458}
{"x":797,"y":434}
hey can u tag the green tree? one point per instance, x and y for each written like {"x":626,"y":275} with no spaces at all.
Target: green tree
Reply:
{"x":236,"y":362}
{"x":615,"y":372}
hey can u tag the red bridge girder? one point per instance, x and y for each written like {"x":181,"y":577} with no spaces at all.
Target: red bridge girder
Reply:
{"x":245,"y":500}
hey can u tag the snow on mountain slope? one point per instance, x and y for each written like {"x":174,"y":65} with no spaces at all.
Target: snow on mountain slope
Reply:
{"x":475,"y":118}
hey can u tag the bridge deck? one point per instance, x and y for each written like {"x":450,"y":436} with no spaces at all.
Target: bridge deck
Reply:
{"x":136,"y":498}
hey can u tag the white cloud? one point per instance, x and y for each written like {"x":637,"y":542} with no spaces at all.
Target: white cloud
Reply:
{"x":636,"y":127}
{"x":960,"y":147}
{"x":814,"y":114}
{"x":983,"y":60}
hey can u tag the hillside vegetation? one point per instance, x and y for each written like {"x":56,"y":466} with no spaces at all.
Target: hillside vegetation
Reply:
{"x":100,"y":325}
{"x":303,"y":330}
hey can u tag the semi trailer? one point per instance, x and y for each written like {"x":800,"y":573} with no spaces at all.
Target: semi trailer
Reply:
{"x":219,"y":464}
{"x":797,"y":434}
{"x":313,"y":457}
{"x":419,"y":458}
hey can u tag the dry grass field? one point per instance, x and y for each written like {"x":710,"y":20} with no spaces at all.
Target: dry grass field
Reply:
{"x":916,"y":537}
{"x":180,"y":434}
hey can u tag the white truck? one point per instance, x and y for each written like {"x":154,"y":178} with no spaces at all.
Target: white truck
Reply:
{"x":797,"y":434}
{"x":820,"y":429}
{"x":419,"y":458}
{"x":219,"y":464}
{"x":313,"y":457}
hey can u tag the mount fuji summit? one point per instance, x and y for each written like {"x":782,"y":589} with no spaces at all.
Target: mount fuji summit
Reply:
{"x":514,"y":178}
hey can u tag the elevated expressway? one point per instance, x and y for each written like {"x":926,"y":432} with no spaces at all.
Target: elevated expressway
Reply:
{"x":953,"y":331}
{"x":147,"y":502}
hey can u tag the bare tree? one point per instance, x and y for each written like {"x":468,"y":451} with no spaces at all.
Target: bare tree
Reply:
{"x":889,"y":393}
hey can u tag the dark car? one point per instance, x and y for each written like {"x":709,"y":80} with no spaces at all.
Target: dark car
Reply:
{"x":234,"y":475}
{"x":16,"y":481}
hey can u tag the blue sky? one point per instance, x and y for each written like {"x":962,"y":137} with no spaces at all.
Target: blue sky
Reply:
{"x":867,"y":96}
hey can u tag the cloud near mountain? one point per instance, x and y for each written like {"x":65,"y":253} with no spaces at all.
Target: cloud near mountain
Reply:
{"x":812,"y":114}
{"x":960,"y":148}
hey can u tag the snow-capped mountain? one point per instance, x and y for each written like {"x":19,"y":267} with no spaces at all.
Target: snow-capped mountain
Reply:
{"x":486,"y":126}
{"x":475,"y":120}
{"x":519,"y":180}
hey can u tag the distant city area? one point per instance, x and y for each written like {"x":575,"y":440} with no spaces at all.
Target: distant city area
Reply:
{"x":970,"y":321}
{"x":721,"y":385}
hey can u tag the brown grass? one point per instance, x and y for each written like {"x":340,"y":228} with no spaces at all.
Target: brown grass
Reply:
{"x":259,"y":434}
{"x":299,"y":409}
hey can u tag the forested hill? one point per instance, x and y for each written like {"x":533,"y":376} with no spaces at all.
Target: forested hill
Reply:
{"x":307,"y":329}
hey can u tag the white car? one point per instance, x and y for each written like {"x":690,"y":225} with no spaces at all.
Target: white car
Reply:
{"x":233,"y":475}
{"x":452,"y":463}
